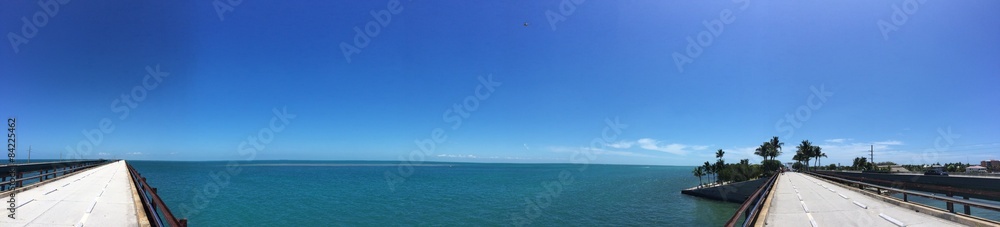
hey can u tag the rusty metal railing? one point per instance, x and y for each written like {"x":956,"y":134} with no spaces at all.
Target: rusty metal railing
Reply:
{"x":157,"y":211}
{"x":751,"y":207}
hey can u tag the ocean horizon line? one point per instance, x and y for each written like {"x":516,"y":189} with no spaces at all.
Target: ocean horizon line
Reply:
{"x":397,"y":162}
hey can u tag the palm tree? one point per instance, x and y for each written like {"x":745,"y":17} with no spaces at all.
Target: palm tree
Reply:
{"x":775,"y":147}
{"x":720,"y":167}
{"x":797,"y":157}
{"x":762,"y":150}
{"x":698,"y":172}
{"x":804,"y":151}
{"x":860,"y":163}
{"x":817,"y":152}
{"x":720,"y":164}
{"x":822,"y":154}
{"x":708,"y":168}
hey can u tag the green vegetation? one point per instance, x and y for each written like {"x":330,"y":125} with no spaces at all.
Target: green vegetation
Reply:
{"x":699,"y":172}
{"x":805,"y":152}
{"x":947,"y":167}
{"x":861,"y":163}
{"x":770,"y":166}
{"x":886,"y":163}
{"x":742,"y":171}
{"x":709,"y":169}
{"x":818,"y":153}
{"x":770,"y":149}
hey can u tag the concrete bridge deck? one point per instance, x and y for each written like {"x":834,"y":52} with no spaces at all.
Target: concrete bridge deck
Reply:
{"x":99,"y":196}
{"x":802,"y":200}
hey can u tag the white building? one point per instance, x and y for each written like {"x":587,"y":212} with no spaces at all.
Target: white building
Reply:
{"x":975,"y":169}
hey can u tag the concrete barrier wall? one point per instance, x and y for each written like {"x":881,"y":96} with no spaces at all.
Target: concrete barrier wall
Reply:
{"x":735,"y":192}
{"x":963,"y":182}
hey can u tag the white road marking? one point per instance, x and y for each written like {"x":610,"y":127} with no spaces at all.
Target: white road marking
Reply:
{"x":811,"y":220}
{"x":890,"y":219}
{"x":860,"y":205}
{"x":25,"y":203}
{"x":804,"y":206}
{"x":91,"y":209}
{"x":83,"y":220}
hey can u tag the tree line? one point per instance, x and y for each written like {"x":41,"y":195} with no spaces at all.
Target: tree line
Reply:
{"x":806,"y":152}
{"x":947,"y":167}
{"x":720,"y":171}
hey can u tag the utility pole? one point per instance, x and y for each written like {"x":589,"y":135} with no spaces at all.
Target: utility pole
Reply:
{"x":873,"y":156}
{"x":29,"y":153}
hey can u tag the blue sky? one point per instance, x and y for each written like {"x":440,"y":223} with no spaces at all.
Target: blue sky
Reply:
{"x":924,"y":92}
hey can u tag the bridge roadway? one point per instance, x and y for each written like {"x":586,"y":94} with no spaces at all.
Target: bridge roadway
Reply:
{"x":802,"y":200}
{"x":99,"y":196}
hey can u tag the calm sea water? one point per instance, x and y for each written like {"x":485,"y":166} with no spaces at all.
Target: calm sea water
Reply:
{"x":324,"y":193}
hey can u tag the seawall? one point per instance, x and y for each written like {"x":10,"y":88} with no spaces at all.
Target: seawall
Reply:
{"x":734,"y":192}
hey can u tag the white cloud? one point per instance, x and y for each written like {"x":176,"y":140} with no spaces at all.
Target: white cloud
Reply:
{"x":673,"y":148}
{"x":469,"y":156}
{"x":889,"y":142}
{"x":456,"y":156}
{"x":597,"y":151}
{"x":621,"y":144}
{"x":103,"y":154}
{"x":837,"y":140}
{"x":644,"y":143}
{"x":134,"y":153}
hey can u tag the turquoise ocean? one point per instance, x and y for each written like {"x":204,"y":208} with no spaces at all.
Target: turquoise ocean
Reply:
{"x":334,"y":193}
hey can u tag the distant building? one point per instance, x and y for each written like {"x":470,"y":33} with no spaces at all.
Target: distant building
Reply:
{"x":975,"y":169}
{"x":991,"y":165}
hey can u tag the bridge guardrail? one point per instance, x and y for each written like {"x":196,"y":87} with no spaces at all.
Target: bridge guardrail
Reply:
{"x":157,"y":211}
{"x":906,"y":193}
{"x":43,"y":174}
{"x":751,"y":207}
